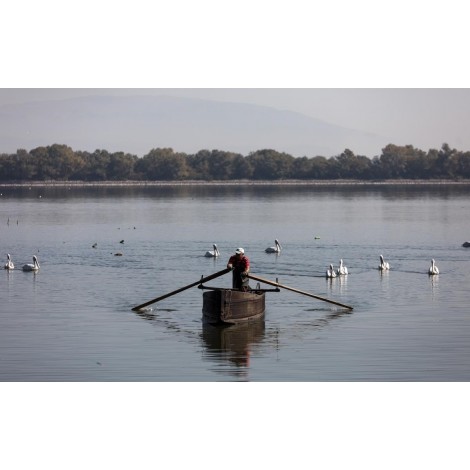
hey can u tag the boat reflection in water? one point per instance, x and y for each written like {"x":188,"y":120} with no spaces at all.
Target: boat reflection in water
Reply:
{"x":232,"y":345}
{"x":232,"y":350}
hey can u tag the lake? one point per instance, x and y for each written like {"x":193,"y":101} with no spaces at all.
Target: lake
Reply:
{"x":73,"y":321}
{"x":322,"y":384}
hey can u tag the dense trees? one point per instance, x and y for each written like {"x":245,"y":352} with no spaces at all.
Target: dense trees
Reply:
{"x":162,"y":164}
{"x":60,"y":162}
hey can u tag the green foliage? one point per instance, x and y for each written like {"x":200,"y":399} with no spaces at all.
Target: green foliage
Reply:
{"x":61,"y":163}
{"x":162,"y":164}
{"x":270,"y":165}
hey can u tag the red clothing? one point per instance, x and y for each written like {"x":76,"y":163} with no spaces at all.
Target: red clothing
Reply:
{"x":239,"y":263}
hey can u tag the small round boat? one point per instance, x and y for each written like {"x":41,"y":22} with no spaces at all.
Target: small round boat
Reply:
{"x":232,"y":306}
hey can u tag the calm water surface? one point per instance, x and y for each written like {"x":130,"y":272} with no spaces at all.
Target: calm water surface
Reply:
{"x":72,"y":321}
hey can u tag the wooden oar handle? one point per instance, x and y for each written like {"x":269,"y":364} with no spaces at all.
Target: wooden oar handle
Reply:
{"x":203,"y":279}
{"x":266,"y":281}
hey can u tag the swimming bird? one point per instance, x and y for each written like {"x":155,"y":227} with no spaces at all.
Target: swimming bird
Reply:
{"x":94,"y":245}
{"x":466,"y":244}
{"x":9,"y":264}
{"x":32,"y":267}
{"x":433,"y":269}
{"x":331,"y":272}
{"x":274,"y":249}
{"x":214,"y":253}
{"x":383,"y":266}
{"x":342,"y":270}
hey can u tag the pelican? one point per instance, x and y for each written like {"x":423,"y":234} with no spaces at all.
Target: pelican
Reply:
{"x":383,"y":266}
{"x":32,"y":267}
{"x":433,"y":269}
{"x":274,"y":249}
{"x":342,"y":270}
{"x":214,"y":253}
{"x":330,"y":272}
{"x":9,"y":264}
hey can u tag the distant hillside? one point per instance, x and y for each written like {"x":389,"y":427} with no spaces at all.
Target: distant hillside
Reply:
{"x":139,"y":123}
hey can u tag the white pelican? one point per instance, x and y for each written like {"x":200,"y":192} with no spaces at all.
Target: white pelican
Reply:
{"x":214,"y":253}
{"x":9,"y":264}
{"x":433,"y":269}
{"x":32,"y":267}
{"x":274,"y":249}
{"x":330,"y":272}
{"x":342,"y":270}
{"x":383,"y":266}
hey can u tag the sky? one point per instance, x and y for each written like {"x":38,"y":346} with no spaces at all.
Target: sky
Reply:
{"x":399,"y":72}
{"x":423,"y":117}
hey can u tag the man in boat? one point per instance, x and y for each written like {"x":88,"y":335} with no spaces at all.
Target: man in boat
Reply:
{"x":240,"y":266}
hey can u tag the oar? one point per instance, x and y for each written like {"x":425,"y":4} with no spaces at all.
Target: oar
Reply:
{"x":203,"y":279}
{"x":256,"y":278}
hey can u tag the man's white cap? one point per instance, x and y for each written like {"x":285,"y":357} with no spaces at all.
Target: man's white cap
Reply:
{"x":240,"y":251}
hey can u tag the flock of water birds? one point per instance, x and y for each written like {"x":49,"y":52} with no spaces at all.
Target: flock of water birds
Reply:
{"x":34,"y":266}
{"x":271,"y":249}
{"x":383,"y":266}
{"x":331,"y":272}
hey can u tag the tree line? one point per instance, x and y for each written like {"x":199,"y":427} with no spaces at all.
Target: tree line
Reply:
{"x":60,"y":163}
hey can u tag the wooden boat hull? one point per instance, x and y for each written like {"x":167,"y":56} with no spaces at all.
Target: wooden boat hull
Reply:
{"x":232,"y":306}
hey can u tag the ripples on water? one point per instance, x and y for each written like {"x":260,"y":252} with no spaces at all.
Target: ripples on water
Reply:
{"x":72,"y":321}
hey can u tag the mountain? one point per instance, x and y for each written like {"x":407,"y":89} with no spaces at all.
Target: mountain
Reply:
{"x":137,"y":124}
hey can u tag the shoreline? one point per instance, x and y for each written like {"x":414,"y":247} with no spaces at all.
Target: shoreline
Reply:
{"x":130,"y":183}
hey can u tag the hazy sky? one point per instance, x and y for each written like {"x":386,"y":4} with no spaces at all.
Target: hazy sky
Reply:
{"x":425,"y":118}
{"x":399,"y":72}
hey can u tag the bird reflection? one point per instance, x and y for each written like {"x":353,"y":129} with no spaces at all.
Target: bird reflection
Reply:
{"x":384,"y":274}
{"x":340,"y":283}
{"x":434,"y":285}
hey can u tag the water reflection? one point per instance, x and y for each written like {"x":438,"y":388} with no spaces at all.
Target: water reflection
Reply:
{"x":230,"y":345}
{"x":434,"y":280}
{"x":330,"y":283}
{"x":384,"y":274}
{"x":230,"y":348}
{"x":337,"y":284}
{"x":146,"y":314}
{"x":233,"y":344}
{"x":318,"y":323}
{"x":171,"y":190}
